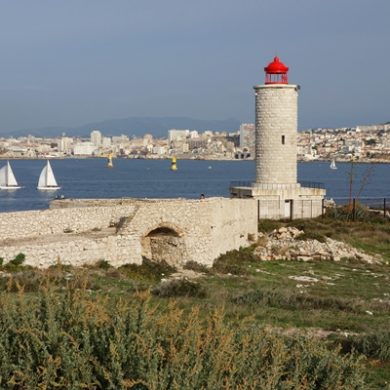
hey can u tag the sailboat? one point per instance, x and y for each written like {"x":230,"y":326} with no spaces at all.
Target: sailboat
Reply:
{"x":7,"y":178}
{"x":47,"y":181}
{"x":333,"y":164}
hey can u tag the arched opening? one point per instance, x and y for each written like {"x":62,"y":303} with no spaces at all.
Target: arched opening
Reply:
{"x":164,"y":244}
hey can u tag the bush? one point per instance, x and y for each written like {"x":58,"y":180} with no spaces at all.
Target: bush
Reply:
{"x":234,"y":262}
{"x":1,"y":261}
{"x":311,"y":236}
{"x":18,"y":259}
{"x":179,"y":288}
{"x":103,"y":264}
{"x":373,"y":345}
{"x":78,"y":340}
{"x":194,"y":266}
{"x":268,"y":225}
{"x":148,"y":271}
{"x":16,"y":263}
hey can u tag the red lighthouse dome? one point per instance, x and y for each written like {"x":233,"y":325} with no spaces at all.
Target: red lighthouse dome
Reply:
{"x":276,"y":72}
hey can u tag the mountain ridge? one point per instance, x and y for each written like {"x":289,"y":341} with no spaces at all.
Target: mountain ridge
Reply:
{"x":133,"y":126}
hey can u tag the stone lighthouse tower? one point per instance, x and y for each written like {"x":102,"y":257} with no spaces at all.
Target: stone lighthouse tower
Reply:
{"x":276,"y":187}
{"x":276,"y":128}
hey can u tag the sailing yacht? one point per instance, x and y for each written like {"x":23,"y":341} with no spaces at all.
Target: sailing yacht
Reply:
{"x":47,"y":181}
{"x":333,"y":164}
{"x":7,"y":178}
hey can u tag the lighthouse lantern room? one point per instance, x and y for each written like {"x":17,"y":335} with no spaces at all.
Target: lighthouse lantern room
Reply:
{"x":276,"y":72}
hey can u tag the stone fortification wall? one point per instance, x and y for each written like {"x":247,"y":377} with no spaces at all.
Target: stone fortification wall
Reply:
{"x":79,"y":232}
{"x":22,"y":224}
{"x":276,"y":134}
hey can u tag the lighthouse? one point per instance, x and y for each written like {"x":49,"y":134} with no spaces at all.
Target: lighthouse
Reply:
{"x":276,"y":185}
{"x":276,"y":128}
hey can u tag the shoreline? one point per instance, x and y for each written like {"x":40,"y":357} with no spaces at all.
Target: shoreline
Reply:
{"x":359,"y":161}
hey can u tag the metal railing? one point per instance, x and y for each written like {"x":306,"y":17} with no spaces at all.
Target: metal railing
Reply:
{"x":357,"y":208}
{"x":312,"y":184}
{"x":309,"y":184}
{"x":240,"y":184}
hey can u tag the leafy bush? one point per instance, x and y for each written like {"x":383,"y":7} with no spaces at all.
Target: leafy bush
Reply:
{"x":310,"y":235}
{"x":103,"y":264}
{"x":374,"y":345}
{"x":15,"y":264}
{"x":234,"y":262}
{"x":268,"y":225}
{"x":18,"y":259}
{"x":194,"y":266}
{"x":148,"y":271}
{"x":77,"y":340}
{"x":179,"y":288}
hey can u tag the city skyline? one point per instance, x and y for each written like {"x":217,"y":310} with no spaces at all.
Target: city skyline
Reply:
{"x":68,"y":64}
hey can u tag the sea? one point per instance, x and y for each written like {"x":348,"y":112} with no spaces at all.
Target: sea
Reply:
{"x":144,"y":178}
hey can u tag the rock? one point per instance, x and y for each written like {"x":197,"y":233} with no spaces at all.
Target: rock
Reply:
{"x":281,"y":244}
{"x":308,"y":279}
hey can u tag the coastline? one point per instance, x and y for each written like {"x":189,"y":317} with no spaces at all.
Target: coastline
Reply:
{"x":208,"y":158}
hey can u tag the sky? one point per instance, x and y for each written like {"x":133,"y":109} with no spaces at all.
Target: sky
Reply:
{"x":71,"y":62}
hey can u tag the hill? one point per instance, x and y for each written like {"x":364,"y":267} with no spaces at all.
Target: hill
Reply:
{"x":135,"y":126}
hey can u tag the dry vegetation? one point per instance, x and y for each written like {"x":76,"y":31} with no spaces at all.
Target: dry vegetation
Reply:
{"x":245,"y":324}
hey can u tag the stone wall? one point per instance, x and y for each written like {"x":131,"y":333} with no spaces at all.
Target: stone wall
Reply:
{"x":22,"y":224}
{"x":79,"y":232}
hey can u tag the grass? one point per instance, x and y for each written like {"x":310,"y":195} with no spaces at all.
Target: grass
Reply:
{"x":241,"y":325}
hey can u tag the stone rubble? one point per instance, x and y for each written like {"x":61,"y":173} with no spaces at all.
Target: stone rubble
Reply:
{"x":282,"y":244}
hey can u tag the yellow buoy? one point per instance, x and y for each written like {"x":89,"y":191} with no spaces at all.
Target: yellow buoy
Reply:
{"x":173,"y":164}
{"x":109,"y":161}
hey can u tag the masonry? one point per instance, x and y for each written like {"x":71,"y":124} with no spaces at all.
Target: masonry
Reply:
{"x":276,"y":187}
{"x":122,"y":231}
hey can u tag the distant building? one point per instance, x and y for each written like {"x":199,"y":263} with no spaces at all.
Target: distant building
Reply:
{"x":96,"y":137}
{"x":84,"y":149}
{"x":106,"y":142}
{"x":147,"y":140}
{"x":175,"y":135}
{"x":122,"y":139}
{"x":247,"y":136}
{"x":65,"y":145}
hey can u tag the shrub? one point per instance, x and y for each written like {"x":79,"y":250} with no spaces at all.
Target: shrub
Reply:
{"x":268,"y":225}
{"x":194,"y":266}
{"x":103,"y":264}
{"x":374,"y":345}
{"x":75,"y":340}
{"x":18,"y":259}
{"x":234,"y":262}
{"x":179,"y":288}
{"x":16,"y":263}
{"x":148,"y":271}
{"x":1,"y":261}
{"x":310,"y":235}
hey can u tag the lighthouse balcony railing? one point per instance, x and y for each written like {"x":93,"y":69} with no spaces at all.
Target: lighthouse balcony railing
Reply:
{"x":312,"y":184}
{"x":240,"y":183}
{"x":308,"y":184}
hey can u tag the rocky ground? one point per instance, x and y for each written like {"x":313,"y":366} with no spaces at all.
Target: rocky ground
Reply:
{"x":290,"y":243}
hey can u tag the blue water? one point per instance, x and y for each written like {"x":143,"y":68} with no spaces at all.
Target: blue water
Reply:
{"x":89,"y":178}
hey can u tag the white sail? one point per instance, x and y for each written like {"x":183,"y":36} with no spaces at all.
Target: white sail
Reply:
{"x":7,"y":178}
{"x":47,"y":181}
{"x":11,"y":180}
{"x":3,"y":177}
{"x":333,"y":164}
{"x":50,"y":179}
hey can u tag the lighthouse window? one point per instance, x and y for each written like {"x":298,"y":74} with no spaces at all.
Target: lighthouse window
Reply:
{"x":282,"y":139}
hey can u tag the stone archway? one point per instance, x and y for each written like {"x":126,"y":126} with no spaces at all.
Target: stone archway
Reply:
{"x":164,"y":244}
